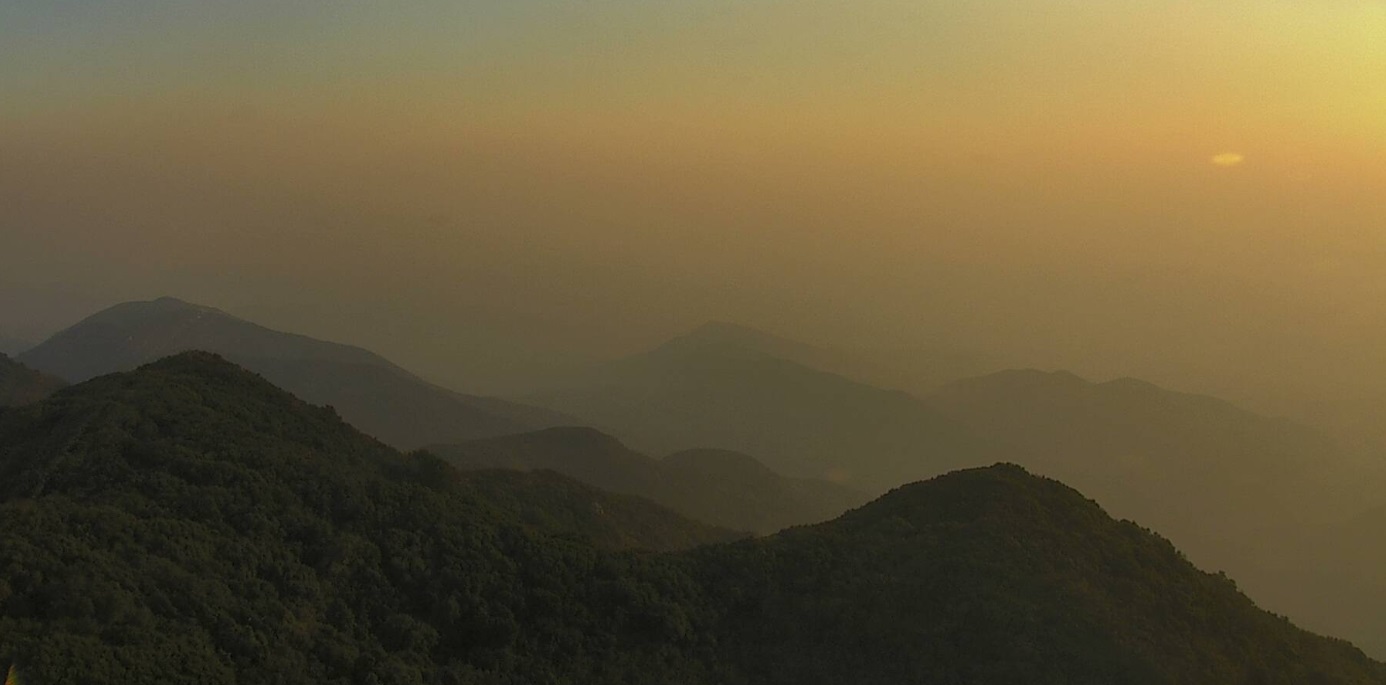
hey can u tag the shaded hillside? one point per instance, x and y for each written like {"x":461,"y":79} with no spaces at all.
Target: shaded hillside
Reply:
{"x":373,"y":394}
{"x":723,"y":488}
{"x":20,"y":384}
{"x":996,"y":576}
{"x":711,"y":389}
{"x":188,"y":522}
{"x":1251,"y":495}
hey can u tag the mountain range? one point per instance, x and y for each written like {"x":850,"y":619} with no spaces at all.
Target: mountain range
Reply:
{"x":1199,"y":469}
{"x":190,"y":522}
{"x":1262,"y":498}
{"x":728,"y":389}
{"x":374,"y":394}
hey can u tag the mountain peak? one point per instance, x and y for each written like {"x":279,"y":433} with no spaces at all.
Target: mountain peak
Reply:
{"x":127,"y":335}
{"x":1003,"y":489}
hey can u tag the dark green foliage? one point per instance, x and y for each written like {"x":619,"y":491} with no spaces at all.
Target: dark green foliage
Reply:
{"x":723,"y":488}
{"x":20,"y":384}
{"x":189,"y":522}
{"x":996,"y":576}
{"x":192,"y":523}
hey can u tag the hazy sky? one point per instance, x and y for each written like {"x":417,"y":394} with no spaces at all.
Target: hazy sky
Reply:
{"x":1189,"y":191}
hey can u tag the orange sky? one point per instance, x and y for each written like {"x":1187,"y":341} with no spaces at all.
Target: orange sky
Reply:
{"x":1031,"y":178}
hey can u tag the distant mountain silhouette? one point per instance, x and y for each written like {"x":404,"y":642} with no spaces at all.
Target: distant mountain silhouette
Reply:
{"x":917,"y":369}
{"x":189,"y":522}
{"x":20,"y":384}
{"x":369,"y":391}
{"x":722,"y":386}
{"x":723,"y":488}
{"x":1196,"y":468}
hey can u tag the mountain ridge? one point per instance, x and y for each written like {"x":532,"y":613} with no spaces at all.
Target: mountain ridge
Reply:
{"x":373,"y":393}
{"x":699,"y":391}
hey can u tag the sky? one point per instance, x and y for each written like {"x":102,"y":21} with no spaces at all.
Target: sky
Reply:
{"x":1188,"y":191}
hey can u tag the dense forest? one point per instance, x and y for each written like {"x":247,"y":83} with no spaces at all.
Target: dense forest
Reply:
{"x":190,"y":522}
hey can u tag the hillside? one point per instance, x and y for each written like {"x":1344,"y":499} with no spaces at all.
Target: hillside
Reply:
{"x":372,"y":393}
{"x":716,"y":389}
{"x":20,"y":384}
{"x":723,"y":488}
{"x":993,"y":575}
{"x":189,"y":522}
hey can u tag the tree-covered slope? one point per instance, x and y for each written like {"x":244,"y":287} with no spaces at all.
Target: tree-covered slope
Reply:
{"x":371,"y":392}
{"x":723,"y":488}
{"x":994,"y":575}
{"x":189,"y":522}
{"x":1237,"y":491}
{"x":20,"y":384}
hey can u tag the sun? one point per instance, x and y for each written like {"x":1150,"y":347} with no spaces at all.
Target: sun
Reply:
{"x":1227,"y":159}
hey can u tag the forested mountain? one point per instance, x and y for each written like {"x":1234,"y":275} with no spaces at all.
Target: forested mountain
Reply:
{"x":713,"y":388}
{"x":20,"y":384}
{"x":189,"y":522}
{"x":372,"y":393}
{"x":995,"y":575}
{"x":723,"y":488}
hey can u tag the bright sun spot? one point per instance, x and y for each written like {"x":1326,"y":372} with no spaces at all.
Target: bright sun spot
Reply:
{"x":1228,"y":159}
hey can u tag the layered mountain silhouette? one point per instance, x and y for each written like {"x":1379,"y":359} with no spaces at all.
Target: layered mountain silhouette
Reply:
{"x":725,"y":387}
{"x":1208,"y":474}
{"x":189,"y":522}
{"x":20,"y":384}
{"x":724,"y":488}
{"x":918,"y":369}
{"x":371,"y":392}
